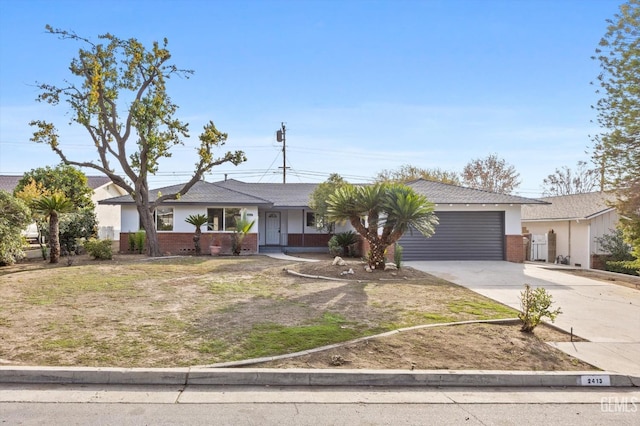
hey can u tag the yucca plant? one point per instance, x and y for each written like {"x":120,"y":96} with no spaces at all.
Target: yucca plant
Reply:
{"x":243,"y":226}
{"x":197,"y":220}
{"x":51,"y":207}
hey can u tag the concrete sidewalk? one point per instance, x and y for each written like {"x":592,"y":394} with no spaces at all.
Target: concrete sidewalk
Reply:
{"x":606,"y":314}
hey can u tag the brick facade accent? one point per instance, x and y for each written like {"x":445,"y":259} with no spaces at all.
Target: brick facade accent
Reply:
{"x":309,"y":240}
{"x":175,"y":243}
{"x":599,"y":261}
{"x":514,"y":247}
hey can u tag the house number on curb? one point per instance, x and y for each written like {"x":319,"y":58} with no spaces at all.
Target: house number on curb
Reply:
{"x":595,"y":381}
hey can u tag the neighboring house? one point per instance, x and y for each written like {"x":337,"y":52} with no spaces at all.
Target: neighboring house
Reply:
{"x":474,"y":224}
{"x":576,"y":220}
{"x":108,"y":216}
{"x":9,"y":182}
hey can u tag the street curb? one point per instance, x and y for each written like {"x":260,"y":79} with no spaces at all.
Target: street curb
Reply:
{"x":310,"y":377}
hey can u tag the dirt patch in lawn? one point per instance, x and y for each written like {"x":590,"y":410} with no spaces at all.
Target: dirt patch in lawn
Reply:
{"x":460,"y":347}
{"x":138,"y":312}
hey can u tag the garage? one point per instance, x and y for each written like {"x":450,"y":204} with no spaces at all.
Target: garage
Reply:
{"x":470,"y":235}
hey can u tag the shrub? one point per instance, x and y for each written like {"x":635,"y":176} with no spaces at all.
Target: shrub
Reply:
{"x":397,"y":255}
{"x":346,"y":240}
{"x":334,"y":247}
{"x":14,"y":219}
{"x":76,"y":226}
{"x":140,"y":238}
{"x":615,"y":245}
{"x":99,"y":249}
{"x":132,"y":241}
{"x":536,"y":304}
{"x":629,"y":267}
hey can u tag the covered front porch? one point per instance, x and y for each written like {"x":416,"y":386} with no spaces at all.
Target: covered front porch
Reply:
{"x":290,"y":230}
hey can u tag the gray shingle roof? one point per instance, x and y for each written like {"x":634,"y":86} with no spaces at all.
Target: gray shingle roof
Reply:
{"x":201,"y":193}
{"x":97,"y":181}
{"x":576,"y":206}
{"x":296,"y":195}
{"x":443,"y":193}
{"x":281,"y":195}
{"x":9,"y":182}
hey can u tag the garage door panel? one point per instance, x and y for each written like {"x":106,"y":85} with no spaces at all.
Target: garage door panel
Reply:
{"x":459,"y":236}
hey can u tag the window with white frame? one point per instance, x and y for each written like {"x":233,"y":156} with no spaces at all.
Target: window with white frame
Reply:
{"x":164,"y":218}
{"x":223,"y":219}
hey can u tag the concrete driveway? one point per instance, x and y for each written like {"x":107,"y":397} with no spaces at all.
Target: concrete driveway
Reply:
{"x":606,"y":314}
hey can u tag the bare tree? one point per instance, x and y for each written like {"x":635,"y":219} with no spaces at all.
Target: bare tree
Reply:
{"x":407,"y":173}
{"x":137,"y":135}
{"x":566,"y":181}
{"x":491,"y":174}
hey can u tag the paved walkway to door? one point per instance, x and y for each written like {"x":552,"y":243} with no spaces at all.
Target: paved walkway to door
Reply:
{"x":606,"y":314}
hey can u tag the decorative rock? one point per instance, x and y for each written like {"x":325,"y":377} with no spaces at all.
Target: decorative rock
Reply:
{"x":368,"y":269}
{"x":350,"y":271}
{"x":338,"y":261}
{"x":390,"y":267}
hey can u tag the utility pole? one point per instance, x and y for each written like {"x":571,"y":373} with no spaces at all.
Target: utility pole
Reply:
{"x":281,"y":136}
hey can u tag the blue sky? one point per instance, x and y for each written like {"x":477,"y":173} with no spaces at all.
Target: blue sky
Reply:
{"x":362,"y":86}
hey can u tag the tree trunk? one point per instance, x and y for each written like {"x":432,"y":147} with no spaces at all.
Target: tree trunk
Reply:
{"x":54,"y":238}
{"x":196,"y":241}
{"x":146,"y":218}
{"x":376,"y":253}
{"x":149,"y":226}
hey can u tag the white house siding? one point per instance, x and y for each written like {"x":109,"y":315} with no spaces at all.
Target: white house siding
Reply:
{"x":577,"y":247}
{"x":108,"y":216}
{"x":602,"y":225}
{"x":131,"y":221}
{"x":297,"y":223}
{"x":584,"y":232}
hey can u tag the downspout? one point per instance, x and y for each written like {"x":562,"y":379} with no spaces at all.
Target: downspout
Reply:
{"x":589,"y":251}
{"x":303,"y":223}
{"x":569,"y":254}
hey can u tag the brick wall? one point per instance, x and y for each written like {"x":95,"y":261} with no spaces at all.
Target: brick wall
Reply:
{"x":175,"y":243}
{"x":308,"y":240}
{"x":514,"y":248}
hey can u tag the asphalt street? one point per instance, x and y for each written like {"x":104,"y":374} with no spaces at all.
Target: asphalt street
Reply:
{"x":247,"y":405}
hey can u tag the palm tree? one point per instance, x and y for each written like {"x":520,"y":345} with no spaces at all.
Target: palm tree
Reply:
{"x":197,"y":220}
{"x":51,"y":207}
{"x":390,"y":209}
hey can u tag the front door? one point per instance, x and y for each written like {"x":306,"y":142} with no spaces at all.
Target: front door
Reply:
{"x":272,"y":233}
